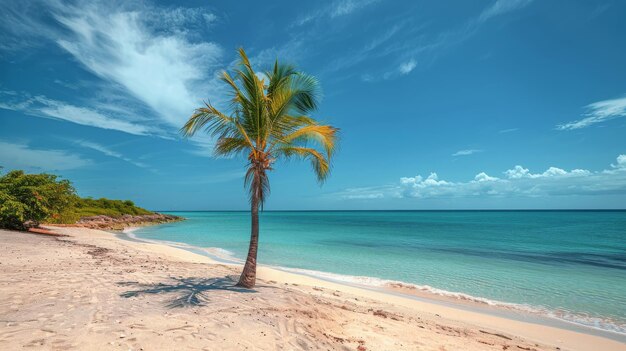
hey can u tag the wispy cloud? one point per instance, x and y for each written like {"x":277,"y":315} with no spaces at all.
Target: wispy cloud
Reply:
{"x":375,"y":48}
{"x":407,"y":67}
{"x":346,"y":7}
{"x":304,"y":38}
{"x":20,"y":25}
{"x":509,"y":130}
{"x":184,"y":20}
{"x":335,"y":9}
{"x":124,"y":47}
{"x":501,"y":7}
{"x":598,"y":112}
{"x":466,"y":152}
{"x":291,"y":51}
{"x":108,"y":152}
{"x":363,"y":193}
{"x":425,"y":47}
{"x":22,"y":156}
{"x":42,"y":106}
{"x":515,"y":182}
{"x":66,"y":84}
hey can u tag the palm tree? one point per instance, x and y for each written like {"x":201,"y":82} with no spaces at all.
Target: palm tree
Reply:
{"x":268,"y":121}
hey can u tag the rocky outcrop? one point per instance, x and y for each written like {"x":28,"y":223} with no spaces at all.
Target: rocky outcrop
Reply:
{"x":124,"y":221}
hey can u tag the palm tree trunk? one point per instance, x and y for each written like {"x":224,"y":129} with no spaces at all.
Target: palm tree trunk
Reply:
{"x":248,"y":276}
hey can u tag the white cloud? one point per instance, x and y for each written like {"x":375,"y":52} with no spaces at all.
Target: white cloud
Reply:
{"x":20,"y":156}
{"x":416,"y":42}
{"x":119,"y":46}
{"x":346,"y":7}
{"x":358,"y":194}
{"x":336,"y":9}
{"x":43,"y":107}
{"x":179,"y":19}
{"x":466,"y":152}
{"x":484,"y":177}
{"x":621,"y":162}
{"x":66,"y":84}
{"x":343,"y":8}
{"x":205,"y":145}
{"x":407,"y":67}
{"x":291,"y":51}
{"x":19,"y":25}
{"x":517,"y":172}
{"x":209,"y":18}
{"x":107,"y":151}
{"x":509,"y":130}
{"x":598,"y":112}
{"x":501,"y":7}
{"x":151,"y":57}
{"x":375,"y":48}
{"x":520,"y":172}
{"x":415,"y":45}
{"x":555,"y":172}
{"x":517,"y":182}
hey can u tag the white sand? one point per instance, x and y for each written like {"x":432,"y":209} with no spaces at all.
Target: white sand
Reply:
{"x":94,"y":291}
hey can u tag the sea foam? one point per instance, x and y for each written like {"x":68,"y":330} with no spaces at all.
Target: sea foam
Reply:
{"x":602,"y":324}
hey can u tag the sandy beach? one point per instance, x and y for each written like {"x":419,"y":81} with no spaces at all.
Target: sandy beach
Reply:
{"x":91,"y":290}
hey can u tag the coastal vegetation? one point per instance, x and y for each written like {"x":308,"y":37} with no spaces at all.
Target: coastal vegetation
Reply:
{"x":86,"y":207}
{"x":267,"y":120}
{"x":26,"y":200}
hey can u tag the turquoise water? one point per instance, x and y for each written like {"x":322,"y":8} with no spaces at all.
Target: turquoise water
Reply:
{"x":566,"y":264}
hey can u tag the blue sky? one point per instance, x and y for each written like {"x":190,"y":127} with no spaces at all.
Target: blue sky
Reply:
{"x":442,"y":105}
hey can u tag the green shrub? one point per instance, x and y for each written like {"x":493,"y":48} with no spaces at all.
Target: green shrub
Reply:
{"x":32,"y":198}
{"x":114,"y":208}
{"x":37,"y":198}
{"x":12,"y":212}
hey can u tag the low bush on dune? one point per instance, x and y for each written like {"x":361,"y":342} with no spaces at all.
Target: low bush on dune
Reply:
{"x":85,"y":207}
{"x":29,"y":199}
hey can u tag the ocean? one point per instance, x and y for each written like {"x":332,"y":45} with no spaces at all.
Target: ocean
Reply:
{"x":567,"y":265}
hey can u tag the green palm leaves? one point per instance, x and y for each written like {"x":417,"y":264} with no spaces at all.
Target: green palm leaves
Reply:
{"x":268,"y":118}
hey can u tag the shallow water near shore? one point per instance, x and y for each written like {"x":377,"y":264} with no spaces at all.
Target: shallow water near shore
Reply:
{"x":567,"y":265}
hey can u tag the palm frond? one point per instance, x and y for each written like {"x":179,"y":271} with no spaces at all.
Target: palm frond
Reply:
{"x":256,"y":118}
{"x":307,"y":93}
{"x":210,"y":118}
{"x":324,"y":135}
{"x":295,"y":94}
{"x":320,"y":164}
{"x":279,"y":77}
{"x":240,"y":101}
{"x":288,"y":124}
{"x":227,"y":146}
{"x":268,"y":119}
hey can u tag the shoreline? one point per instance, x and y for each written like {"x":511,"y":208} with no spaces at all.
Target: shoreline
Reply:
{"x":423,"y":297}
{"x":519,"y":312}
{"x":101,"y":291}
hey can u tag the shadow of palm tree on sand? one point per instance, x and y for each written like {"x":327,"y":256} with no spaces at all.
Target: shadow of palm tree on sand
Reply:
{"x":189,"y":291}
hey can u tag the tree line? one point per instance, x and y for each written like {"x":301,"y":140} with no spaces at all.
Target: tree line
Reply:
{"x":26,"y":200}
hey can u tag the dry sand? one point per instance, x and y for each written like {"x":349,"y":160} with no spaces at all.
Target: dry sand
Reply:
{"x":93,"y":291}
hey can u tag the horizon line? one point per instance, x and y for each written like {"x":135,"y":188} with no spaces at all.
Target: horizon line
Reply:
{"x":415,"y":210}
